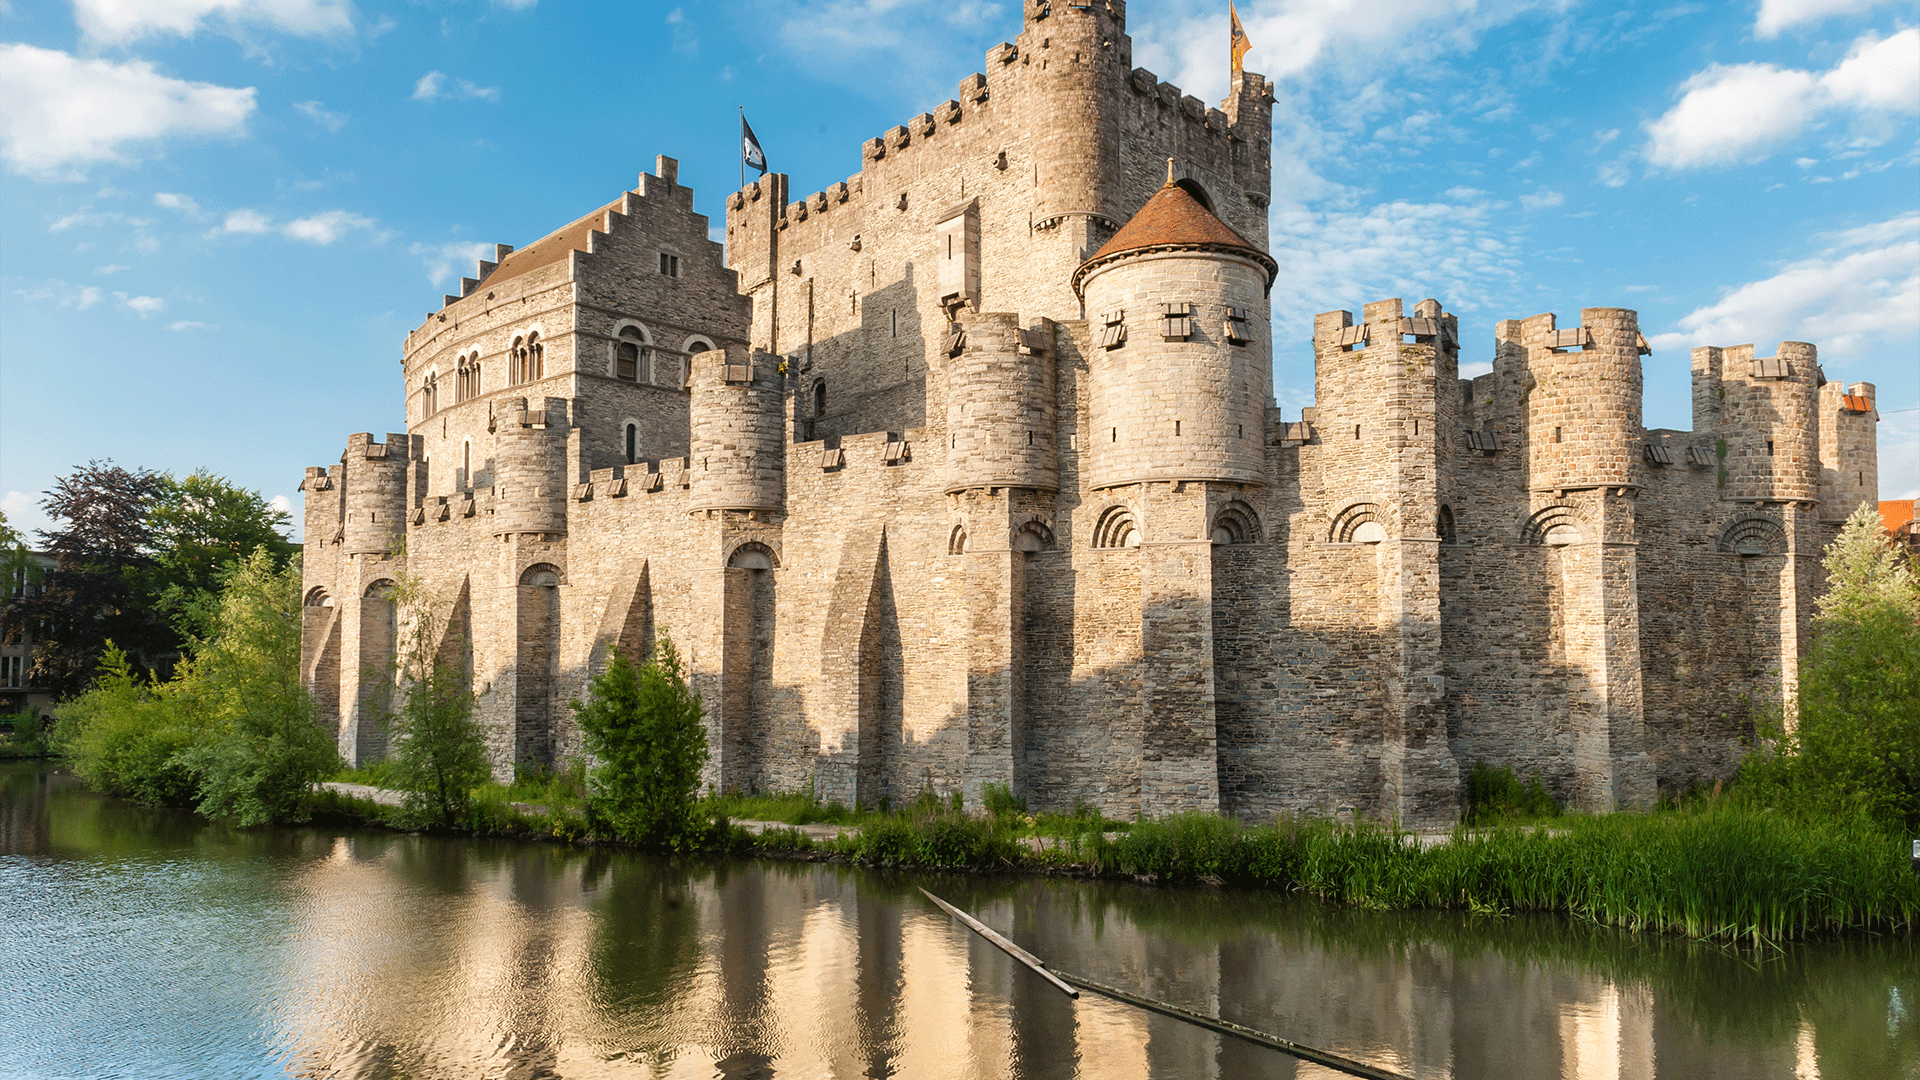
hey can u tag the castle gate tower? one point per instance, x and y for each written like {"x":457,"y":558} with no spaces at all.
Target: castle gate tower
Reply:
{"x":1179,"y":379}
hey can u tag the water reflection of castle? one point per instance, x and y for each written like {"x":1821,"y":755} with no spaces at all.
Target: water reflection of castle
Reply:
{"x":527,"y":962}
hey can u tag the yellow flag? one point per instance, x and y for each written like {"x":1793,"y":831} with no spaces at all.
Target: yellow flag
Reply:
{"x":1240,"y":43}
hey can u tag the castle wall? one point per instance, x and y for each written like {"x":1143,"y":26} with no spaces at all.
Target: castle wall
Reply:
{"x":992,"y":549}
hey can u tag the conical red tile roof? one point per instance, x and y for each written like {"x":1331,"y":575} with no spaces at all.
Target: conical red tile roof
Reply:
{"x":1173,"y":219}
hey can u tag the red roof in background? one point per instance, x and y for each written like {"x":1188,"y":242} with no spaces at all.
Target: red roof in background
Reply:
{"x":1895,"y":513}
{"x":550,"y":248}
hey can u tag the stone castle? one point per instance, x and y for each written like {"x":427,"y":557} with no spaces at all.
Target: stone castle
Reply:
{"x":966,"y":471}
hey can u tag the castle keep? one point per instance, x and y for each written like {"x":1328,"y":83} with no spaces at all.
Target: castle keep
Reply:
{"x":966,"y":470}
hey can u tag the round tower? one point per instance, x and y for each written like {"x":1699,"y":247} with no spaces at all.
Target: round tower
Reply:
{"x":1000,"y":410}
{"x":1770,"y":423}
{"x":374,"y":488}
{"x":737,"y":425}
{"x":530,"y":466}
{"x":1181,"y":368}
{"x":1072,"y":50}
{"x":1583,"y":411}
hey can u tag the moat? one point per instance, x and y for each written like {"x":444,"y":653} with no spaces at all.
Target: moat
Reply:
{"x":155,"y":944}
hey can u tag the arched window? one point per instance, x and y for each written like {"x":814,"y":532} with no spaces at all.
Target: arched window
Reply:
{"x":540,"y":576}
{"x":1554,"y":526}
{"x":633,"y":443}
{"x":630,"y":356}
{"x":1443,"y":526}
{"x":819,"y":398}
{"x":517,"y":362}
{"x":430,"y":394}
{"x":1235,"y":524}
{"x":1116,"y":529}
{"x":1360,"y":523}
{"x":318,"y":597}
{"x":957,"y":541}
{"x":473,"y":377}
{"x":536,"y":358}
{"x":752,"y":555}
{"x":1032,"y":537}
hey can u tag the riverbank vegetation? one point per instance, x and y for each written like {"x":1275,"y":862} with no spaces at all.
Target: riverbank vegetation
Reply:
{"x":231,"y":733}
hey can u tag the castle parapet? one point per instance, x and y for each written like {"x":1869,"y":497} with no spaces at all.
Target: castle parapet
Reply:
{"x":1764,"y":412}
{"x":1000,"y":406}
{"x":374,"y":492}
{"x":1583,"y":396}
{"x":1849,"y":452}
{"x":530,"y":462}
{"x":737,"y":422}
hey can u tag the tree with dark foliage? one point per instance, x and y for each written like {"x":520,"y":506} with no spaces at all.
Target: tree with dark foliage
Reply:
{"x":98,"y":589}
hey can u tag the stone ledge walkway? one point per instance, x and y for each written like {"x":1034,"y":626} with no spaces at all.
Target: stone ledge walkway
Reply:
{"x":821,"y":833}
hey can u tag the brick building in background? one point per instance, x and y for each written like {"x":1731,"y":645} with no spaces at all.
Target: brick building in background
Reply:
{"x":966,"y":470}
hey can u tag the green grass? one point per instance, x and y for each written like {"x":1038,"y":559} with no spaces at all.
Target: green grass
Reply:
{"x":1710,"y":867}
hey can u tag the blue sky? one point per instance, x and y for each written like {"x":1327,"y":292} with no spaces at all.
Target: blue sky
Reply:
{"x":220,"y":217}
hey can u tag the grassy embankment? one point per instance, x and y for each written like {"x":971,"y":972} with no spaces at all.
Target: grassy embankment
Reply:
{"x":1713,"y":867}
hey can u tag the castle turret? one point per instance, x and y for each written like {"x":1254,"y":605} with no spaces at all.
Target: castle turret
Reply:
{"x":1000,"y":407}
{"x":1849,"y":455}
{"x":1181,"y":369}
{"x":737,"y":418}
{"x":374,"y":493}
{"x":1071,"y":50}
{"x":1763,"y":410}
{"x":530,"y":462}
{"x":1583,"y":397}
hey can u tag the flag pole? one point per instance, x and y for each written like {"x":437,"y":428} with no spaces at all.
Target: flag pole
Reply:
{"x":743,"y":153}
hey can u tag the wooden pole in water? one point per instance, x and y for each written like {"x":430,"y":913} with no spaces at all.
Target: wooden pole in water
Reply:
{"x":1212,"y":1023}
{"x":1006,"y":946}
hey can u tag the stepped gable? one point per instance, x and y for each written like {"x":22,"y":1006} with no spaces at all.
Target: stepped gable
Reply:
{"x":1173,"y":220}
{"x":553,"y":247}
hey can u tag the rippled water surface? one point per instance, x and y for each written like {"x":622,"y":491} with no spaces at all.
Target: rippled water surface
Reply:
{"x":150,"y":944}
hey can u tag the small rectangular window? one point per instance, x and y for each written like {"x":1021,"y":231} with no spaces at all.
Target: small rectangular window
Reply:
{"x":669,"y":264}
{"x":1176,"y":321}
{"x":1238,"y":330}
{"x":1113,"y":333}
{"x":1769,"y":447}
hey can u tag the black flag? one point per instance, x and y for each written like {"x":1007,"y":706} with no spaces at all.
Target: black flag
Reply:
{"x":750,"y":152}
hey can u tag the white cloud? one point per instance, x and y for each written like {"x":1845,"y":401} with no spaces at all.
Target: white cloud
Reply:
{"x":24,"y":515}
{"x":171,"y":201}
{"x":433,"y":87}
{"x":59,"y":113}
{"x":121,"y":21}
{"x":282,"y":504}
{"x":447,"y":261}
{"x":319,"y":114}
{"x":1778,"y":15}
{"x":245,"y":221}
{"x":192,"y":324}
{"x":1540,"y":200}
{"x":1860,"y":294}
{"x":111,"y":268}
{"x":65,"y":294}
{"x":1882,"y":74}
{"x":144,"y":306}
{"x":1732,"y":113}
{"x":1899,"y":454}
{"x":325,"y":228}
{"x":1741,"y":112}
{"x":1184,"y":41}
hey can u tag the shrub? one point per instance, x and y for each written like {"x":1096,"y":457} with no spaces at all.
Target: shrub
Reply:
{"x":1497,"y":794}
{"x":643,"y":728}
{"x":438,"y":752}
{"x":124,"y":734}
{"x":257,"y":751}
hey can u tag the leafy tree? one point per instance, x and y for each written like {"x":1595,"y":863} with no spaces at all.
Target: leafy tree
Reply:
{"x":259,"y":750}
{"x":643,"y":728}
{"x":200,"y":527}
{"x":1856,"y":743}
{"x":15,"y":558}
{"x":95,"y":594}
{"x":439,"y":755}
{"x":125,"y":733}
